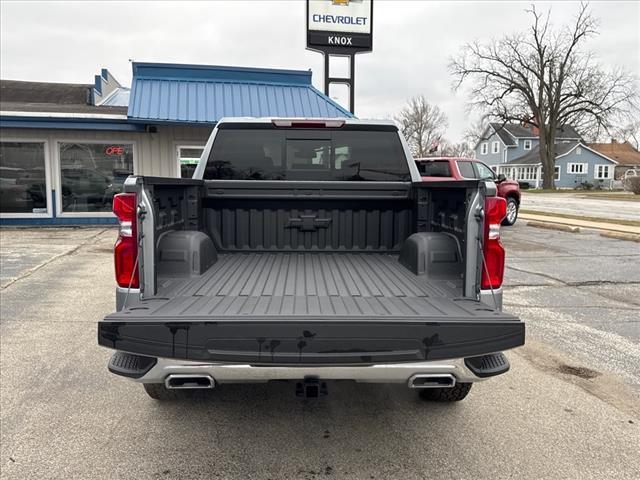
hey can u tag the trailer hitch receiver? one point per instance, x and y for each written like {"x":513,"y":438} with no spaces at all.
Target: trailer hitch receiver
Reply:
{"x":311,"y":387}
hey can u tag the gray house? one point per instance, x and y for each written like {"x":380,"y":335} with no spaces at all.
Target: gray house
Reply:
{"x":627,"y":156}
{"x":576,"y":164}
{"x":513,"y":150}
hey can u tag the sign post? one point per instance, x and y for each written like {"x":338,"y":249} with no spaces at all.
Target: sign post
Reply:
{"x":340,"y":28}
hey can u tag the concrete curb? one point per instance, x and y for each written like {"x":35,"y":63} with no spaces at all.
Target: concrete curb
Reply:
{"x":621,"y":236}
{"x":554,"y":226}
{"x":589,"y":225}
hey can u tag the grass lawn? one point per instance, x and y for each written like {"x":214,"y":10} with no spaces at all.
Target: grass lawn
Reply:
{"x":631,"y":223}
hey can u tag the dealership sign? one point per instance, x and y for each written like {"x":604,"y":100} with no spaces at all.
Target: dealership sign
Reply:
{"x":339,"y":26}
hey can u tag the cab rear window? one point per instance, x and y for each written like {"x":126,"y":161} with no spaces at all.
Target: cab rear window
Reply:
{"x":434,"y":168}
{"x":307,"y":154}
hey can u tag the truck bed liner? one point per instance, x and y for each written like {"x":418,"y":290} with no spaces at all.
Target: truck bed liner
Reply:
{"x":306,"y":284}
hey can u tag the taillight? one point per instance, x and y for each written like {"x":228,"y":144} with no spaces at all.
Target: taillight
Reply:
{"x":493,"y":268}
{"x":126,"y":249}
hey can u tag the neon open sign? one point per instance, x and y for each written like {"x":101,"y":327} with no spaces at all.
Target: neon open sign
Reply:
{"x":114,"y":150}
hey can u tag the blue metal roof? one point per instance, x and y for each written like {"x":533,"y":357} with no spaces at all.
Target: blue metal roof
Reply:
{"x":172,"y":93}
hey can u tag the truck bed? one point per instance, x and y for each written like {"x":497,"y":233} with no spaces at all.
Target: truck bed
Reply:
{"x":322,"y":307}
{"x":307,"y":284}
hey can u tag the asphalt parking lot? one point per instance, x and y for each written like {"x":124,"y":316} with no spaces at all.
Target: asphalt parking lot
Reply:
{"x":580,"y":293}
{"x":569,"y":407}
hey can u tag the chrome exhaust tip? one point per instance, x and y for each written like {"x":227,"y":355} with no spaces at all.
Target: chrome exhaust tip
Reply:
{"x":435,"y":380}
{"x":188,"y":381}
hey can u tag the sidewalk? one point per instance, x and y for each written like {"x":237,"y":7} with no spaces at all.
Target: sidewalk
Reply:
{"x":611,"y":227}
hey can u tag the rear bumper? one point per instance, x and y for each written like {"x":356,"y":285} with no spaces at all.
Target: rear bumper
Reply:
{"x":290,"y":342}
{"x":399,"y":373}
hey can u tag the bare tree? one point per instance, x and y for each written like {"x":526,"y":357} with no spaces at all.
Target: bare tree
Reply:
{"x":629,"y":133}
{"x":423,"y":125}
{"x":477,"y":132}
{"x":450,"y":149}
{"x":544,"y":75}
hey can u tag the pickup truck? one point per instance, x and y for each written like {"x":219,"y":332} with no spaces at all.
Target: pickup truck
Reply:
{"x":460,"y":168}
{"x":308,"y":251}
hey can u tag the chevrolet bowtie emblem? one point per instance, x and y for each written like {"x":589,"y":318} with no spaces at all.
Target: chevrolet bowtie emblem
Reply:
{"x":340,"y":2}
{"x":308,"y":223}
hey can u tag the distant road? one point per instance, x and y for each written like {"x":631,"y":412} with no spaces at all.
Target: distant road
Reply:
{"x":580,"y":204}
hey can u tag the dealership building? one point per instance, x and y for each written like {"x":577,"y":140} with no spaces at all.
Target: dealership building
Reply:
{"x":65,"y":149}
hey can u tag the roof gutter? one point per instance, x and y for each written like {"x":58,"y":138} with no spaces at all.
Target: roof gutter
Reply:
{"x":56,"y":121}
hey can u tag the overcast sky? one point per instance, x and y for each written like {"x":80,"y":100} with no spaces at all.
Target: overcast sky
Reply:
{"x":71,"y":41}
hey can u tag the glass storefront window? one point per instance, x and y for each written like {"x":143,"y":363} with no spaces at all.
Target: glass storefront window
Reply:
{"x":23,"y":186}
{"x":188,"y":158}
{"x":92,"y":173}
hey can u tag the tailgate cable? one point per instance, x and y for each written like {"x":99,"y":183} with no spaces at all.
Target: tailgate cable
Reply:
{"x":133,"y":272}
{"x":486,"y":270}
{"x":480,"y":216}
{"x":140,"y":214}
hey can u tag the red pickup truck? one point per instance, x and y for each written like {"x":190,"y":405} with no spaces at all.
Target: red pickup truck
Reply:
{"x":457,"y":168}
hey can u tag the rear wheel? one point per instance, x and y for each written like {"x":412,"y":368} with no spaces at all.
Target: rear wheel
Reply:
{"x":453,"y":394}
{"x":158,"y":391}
{"x":512,"y":212}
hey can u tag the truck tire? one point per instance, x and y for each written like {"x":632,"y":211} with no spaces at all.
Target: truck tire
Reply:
{"x":512,"y":212}
{"x":453,"y":394}
{"x":159,"y":392}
